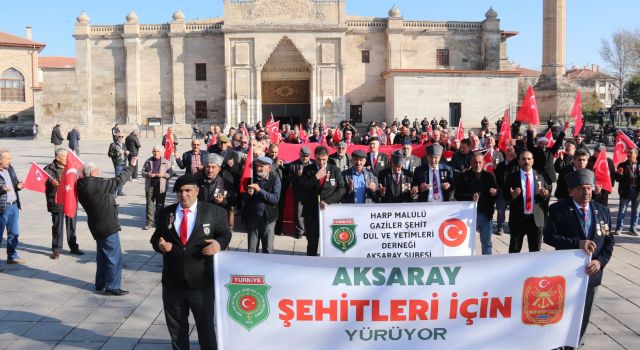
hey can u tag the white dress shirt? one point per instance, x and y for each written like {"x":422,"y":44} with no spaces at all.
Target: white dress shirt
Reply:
{"x":191,"y":219}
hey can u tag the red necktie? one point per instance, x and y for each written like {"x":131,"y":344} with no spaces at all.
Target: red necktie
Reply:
{"x":322,"y":181}
{"x":527,"y":184}
{"x":584,"y":214}
{"x":183,"y":225}
{"x":374,"y":160}
{"x":436,"y":190}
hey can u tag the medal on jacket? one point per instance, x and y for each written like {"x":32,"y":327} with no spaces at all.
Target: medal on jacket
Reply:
{"x":206,"y":228}
{"x":172,"y":218}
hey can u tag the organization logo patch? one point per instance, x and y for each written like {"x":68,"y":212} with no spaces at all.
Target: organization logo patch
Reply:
{"x":248,"y":304}
{"x":543,"y":300}
{"x":343,"y":234}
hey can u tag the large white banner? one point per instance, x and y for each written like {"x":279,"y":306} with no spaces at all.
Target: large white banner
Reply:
{"x":405,"y":230}
{"x":510,"y":301}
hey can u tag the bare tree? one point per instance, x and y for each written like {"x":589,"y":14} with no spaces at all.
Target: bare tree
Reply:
{"x":622,"y":56}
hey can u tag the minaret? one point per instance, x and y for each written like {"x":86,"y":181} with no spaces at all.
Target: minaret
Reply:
{"x":554,"y":92}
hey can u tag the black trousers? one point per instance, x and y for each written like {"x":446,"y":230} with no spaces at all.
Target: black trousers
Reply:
{"x":298,"y":219}
{"x":59,"y":222}
{"x":177,"y":303}
{"x":591,"y":294}
{"x":312,"y":231}
{"x":134,"y":175}
{"x":528,"y":228}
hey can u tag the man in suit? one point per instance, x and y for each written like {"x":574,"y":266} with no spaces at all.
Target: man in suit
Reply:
{"x":188,"y":234}
{"x":341,"y":159}
{"x":192,"y":161}
{"x":376,"y":161}
{"x":502,"y":172}
{"x":580,"y":223}
{"x":260,"y":206}
{"x":361,"y":185}
{"x":603,"y":196}
{"x":409,"y":162}
{"x":580,"y":159}
{"x":628,"y":177}
{"x":479,"y":185}
{"x":528,"y":193}
{"x":395,"y":181}
{"x":323,"y":185}
{"x":433,"y":182}
{"x":294,"y":174}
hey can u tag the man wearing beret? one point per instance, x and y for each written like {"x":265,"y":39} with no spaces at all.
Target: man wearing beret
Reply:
{"x":361,"y":184}
{"x":188,"y":234}
{"x":580,"y":223}
{"x":395,"y":182}
{"x":376,"y":161}
{"x":292,"y":178}
{"x":433,"y":182}
{"x":260,"y":206}
{"x":323,"y":185}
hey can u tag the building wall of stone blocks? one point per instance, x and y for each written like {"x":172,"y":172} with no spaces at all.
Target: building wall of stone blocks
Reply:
{"x":108,"y":81}
{"x":363,"y":81}
{"x":58,"y":99}
{"x":419,"y":50}
{"x":479,"y":95}
{"x":20,"y":59}
{"x":155,"y":78}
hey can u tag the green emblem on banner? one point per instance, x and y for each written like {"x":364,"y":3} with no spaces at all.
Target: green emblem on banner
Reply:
{"x":248,"y":304}
{"x":343,"y":234}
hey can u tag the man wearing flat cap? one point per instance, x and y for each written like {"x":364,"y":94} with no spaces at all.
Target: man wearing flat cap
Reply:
{"x":361,"y":184}
{"x":376,"y":161}
{"x":260,"y":206}
{"x":292,"y":178}
{"x":187,"y":235}
{"x":341,"y":158}
{"x":156,"y":172}
{"x":433,"y":182}
{"x":395,"y":182}
{"x":323,"y":185}
{"x":580,"y":223}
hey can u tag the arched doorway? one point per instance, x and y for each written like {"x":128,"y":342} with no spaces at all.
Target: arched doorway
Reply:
{"x":285,"y":85}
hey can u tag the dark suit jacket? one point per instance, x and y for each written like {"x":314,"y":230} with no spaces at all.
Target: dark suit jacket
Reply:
{"x":331,"y":193}
{"x":185,"y":266}
{"x":469,"y":184}
{"x":396,"y":192}
{"x":446,"y":175}
{"x":381,"y":163}
{"x":185,"y":162}
{"x":516,"y":206}
{"x":564,"y":231}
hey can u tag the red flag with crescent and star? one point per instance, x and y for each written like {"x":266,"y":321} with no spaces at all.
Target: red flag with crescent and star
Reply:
{"x":460,"y":133}
{"x":247,"y":172}
{"x":504,"y":138}
{"x":488,"y":161}
{"x":169,"y":146}
{"x":576,"y":112}
{"x":67,"y":194}
{"x":623,"y":142}
{"x":603,"y":176}
{"x":36,"y":179}
{"x":549,"y":136}
{"x":528,"y":112}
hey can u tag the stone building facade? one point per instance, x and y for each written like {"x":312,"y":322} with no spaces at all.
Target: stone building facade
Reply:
{"x":295,"y":59}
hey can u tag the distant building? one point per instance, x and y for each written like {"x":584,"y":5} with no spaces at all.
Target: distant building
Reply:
{"x":18,"y":77}
{"x":592,"y":80}
{"x":528,"y":77}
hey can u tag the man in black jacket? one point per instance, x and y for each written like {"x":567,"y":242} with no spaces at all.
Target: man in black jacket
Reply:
{"x":60,"y":220}
{"x":96,"y":196}
{"x":434,"y":181}
{"x":292,"y":178}
{"x":323,"y":185}
{"x":628,"y":177}
{"x":580,"y":159}
{"x":56,"y":136}
{"x":118,"y":156}
{"x":479,"y":185}
{"x":132,"y":146}
{"x":502,"y":172}
{"x":188,"y":234}
{"x":395,"y":181}
{"x":260,"y":206}
{"x":192,"y":161}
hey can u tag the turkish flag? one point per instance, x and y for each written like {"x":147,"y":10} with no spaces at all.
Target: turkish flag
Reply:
{"x":576,"y":112}
{"x":460,"y":133}
{"x":36,"y":179}
{"x":336,"y":136}
{"x":603,"y":176}
{"x":213,"y":140}
{"x":504,"y":138}
{"x":488,"y":161}
{"x":244,"y":131}
{"x":528,"y":112}
{"x":169,"y":146}
{"x":67,"y":194}
{"x":549,"y":136}
{"x":303,"y":135}
{"x":247,"y":172}
{"x":623,"y":142}
{"x":273,"y":127}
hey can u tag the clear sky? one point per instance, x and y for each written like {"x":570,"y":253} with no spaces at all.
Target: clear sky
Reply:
{"x":588,"y":21}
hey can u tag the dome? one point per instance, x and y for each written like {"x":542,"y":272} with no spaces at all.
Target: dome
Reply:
{"x":395,"y":12}
{"x":178,"y":16}
{"x":132,"y":17}
{"x":82,"y":18}
{"x":491,"y":14}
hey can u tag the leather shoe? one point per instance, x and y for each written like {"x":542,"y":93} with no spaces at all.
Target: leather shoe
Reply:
{"x":115,"y":292}
{"x":54,"y":255}
{"x":634,"y":232}
{"x":77,"y":252}
{"x":617,"y":232}
{"x":16,"y":261}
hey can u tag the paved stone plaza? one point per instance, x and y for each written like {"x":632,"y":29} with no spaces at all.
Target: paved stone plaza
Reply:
{"x":48,"y":304}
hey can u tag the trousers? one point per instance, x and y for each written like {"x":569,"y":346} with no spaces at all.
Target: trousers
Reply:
{"x":177,"y":304}
{"x":59,"y":222}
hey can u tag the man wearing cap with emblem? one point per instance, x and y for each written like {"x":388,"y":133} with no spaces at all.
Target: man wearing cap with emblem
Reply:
{"x":433,"y":182}
{"x":376,"y":161}
{"x":323,"y":185}
{"x":260,"y":206}
{"x":359,"y":181}
{"x":580,"y":223}
{"x":341,"y":159}
{"x":187,"y":235}
{"x":294,"y":174}
{"x":395,"y":182}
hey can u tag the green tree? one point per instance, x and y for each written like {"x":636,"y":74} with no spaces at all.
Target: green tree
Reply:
{"x":591,"y":104}
{"x":633,"y":88}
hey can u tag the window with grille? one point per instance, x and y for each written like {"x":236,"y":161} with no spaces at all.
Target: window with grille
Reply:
{"x":442,"y":57}
{"x":201,"y":71}
{"x":201,"y":109}
{"x":12,"y":86}
{"x":366,"y":56}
